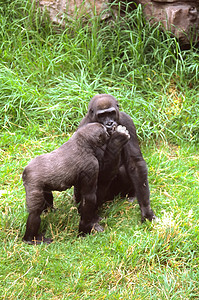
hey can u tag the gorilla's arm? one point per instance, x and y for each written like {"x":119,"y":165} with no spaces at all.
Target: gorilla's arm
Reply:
{"x":109,"y":157}
{"x":136,"y":168}
{"x":109,"y":162}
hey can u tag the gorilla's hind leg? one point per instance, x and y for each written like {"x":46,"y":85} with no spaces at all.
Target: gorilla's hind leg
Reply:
{"x":35,"y":204}
{"x":48,"y":196}
{"x":32,"y":227}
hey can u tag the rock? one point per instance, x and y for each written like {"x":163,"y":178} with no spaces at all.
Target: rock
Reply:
{"x":181,"y":18}
{"x":60,"y":10}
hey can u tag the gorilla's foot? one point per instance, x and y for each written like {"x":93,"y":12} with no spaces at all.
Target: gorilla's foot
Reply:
{"x":38,"y":240}
{"x":87,"y":228}
{"x":97,"y":228}
{"x":147,"y":213}
{"x":131,"y":199}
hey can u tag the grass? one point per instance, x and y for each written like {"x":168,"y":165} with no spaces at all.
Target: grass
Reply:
{"x":47,"y":77}
{"x":46,"y":74}
{"x":128,"y":260}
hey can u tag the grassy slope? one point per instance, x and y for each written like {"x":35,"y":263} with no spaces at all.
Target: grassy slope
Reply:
{"x":46,"y":81}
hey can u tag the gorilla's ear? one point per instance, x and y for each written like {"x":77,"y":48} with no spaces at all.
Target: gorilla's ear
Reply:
{"x":91,"y":111}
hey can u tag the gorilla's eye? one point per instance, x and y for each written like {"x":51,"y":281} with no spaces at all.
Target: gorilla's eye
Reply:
{"x":101,"y":116}
{"x":91,"y":111}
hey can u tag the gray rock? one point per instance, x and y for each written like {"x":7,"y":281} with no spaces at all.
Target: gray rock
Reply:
{"x":181,"y":18}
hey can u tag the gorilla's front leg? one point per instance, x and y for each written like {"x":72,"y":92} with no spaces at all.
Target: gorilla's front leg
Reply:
{"x":138,"y":176}
{"x":88,"y":218}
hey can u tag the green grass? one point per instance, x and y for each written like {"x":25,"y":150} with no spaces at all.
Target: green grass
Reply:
{"x":129,"y":260}
{"x":47,"y":77}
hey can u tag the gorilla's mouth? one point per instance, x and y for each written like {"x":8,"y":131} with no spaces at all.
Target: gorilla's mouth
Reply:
{"x":111,"y":127}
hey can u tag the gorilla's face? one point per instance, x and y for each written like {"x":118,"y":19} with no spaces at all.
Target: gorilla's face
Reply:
{"x":104,"y":109}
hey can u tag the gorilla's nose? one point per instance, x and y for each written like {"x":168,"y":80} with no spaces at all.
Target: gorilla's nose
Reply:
{"x":109,"y":124}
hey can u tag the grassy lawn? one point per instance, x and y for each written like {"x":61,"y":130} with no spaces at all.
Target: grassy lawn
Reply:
{"x":47,"y":78}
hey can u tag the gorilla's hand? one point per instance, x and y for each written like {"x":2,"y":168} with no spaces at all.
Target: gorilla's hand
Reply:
{"x":119,"y":137}
{"x":122,"y":129}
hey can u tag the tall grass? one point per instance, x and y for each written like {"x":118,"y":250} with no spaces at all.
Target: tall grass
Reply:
{"x":48,"y":74}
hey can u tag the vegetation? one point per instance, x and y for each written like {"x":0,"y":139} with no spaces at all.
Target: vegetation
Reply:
{"x":47,"y":77}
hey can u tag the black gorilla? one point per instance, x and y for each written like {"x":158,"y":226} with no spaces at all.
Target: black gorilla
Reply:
{"x":74,"y":163}
{"x":122,"y":169}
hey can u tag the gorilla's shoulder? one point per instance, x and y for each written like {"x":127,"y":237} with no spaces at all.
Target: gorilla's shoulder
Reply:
{"x":126,"y":120}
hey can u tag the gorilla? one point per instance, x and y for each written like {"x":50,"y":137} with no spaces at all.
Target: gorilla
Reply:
{"x":122,"y":168}
{"x":74,"y":163}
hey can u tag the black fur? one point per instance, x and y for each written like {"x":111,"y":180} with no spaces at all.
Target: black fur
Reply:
{"x":74,"y":163}
{"x":122,"y":169}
